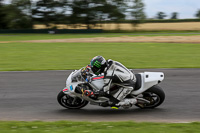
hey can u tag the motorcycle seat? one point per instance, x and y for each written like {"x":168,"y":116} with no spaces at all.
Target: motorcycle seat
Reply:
{"x":138,"y":82}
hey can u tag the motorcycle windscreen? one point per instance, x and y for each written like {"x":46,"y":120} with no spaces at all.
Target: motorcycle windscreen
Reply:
{"x":77,"y":76}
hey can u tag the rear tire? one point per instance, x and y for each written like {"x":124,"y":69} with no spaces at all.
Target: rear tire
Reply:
{"x":70,"y":102}
{"x":155,"y":95}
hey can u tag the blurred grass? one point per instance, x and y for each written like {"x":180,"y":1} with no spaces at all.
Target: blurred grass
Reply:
{"x":62,"y":56}
{"x":97,"y":127}
{"x":24,"y":37}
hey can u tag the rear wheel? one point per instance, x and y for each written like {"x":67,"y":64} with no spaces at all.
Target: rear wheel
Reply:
{"x":70,"y":102}
{"x":155,"y":95}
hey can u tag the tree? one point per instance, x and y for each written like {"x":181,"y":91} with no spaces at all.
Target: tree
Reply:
{"x":3,"y":23}
{"x":11,"y":17}
{"x":114,"y":13}
{"x":16,"y":19}
{"x":161,"y":15}
{"x":90,"y":12}
{"x":174,"y":15}
{"x":24,"y":5}
{"x":198,"y":14}
{"x":25,"y":11}
{"x":47,"y":12}
{"x":137,"y":12}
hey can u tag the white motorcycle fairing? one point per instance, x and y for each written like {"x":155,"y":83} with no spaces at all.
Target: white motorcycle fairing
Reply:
{"x":70,"y":87}
{"x":148,"y":79}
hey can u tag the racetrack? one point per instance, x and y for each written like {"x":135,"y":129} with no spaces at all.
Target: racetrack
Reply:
{"x":32,"y":96}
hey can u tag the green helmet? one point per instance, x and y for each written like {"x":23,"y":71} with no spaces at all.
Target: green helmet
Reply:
{"x":98,"y":64}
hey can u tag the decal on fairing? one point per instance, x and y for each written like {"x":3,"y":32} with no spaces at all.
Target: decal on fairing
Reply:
{"x":95,"y":78}
{"x":65,"y":90}
{"x":86,"y":80}
{"x":71,"y":87}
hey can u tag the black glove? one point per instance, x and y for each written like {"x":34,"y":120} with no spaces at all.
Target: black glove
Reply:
{"x":85,"y":71}
{"x":85,"y":74}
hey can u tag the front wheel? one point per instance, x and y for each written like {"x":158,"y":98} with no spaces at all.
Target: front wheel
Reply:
{"x":70,"y":102}
{"x":155,"y":95}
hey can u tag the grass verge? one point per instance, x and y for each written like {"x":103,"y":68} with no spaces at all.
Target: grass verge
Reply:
{"x":62,"y":56}
{"x":97,"y":127}
{"x":24,"y":37}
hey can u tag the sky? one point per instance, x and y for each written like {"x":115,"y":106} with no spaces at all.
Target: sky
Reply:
{"x":185,"y":8}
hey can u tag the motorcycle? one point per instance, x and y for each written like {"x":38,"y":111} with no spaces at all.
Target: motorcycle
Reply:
{"x":146,"y":94}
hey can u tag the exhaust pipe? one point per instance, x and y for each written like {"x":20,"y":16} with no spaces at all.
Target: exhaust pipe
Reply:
{"x":142,"y":101}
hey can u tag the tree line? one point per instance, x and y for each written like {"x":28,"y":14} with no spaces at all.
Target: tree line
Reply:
{"x":23,"y":14}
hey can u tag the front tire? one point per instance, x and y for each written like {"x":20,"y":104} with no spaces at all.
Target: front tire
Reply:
{"x":70,"y":102}
{"x":155,"y":95}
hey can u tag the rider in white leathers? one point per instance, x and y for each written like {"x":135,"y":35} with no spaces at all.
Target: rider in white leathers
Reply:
{"x":114,"y":73}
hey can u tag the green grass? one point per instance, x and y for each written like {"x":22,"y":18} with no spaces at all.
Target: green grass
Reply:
{"x":23,"y":37}
{"x":97,"y":127}
{"x":61,"y":56}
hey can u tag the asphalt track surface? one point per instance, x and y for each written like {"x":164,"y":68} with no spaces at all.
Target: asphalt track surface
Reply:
{"x":28,"y":96}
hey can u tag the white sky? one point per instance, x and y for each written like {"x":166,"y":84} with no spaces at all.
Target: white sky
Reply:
{"x":185,"y":8}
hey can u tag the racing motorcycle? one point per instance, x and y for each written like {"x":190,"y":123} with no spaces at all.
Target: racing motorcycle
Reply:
{"x":146,"y":93}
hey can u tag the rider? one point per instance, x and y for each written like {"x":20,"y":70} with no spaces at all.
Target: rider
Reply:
{"x":114,"y":72}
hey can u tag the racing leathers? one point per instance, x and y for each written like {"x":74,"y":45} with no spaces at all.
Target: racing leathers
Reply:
{"x":117,"y":74}
{"x":114,"y":74}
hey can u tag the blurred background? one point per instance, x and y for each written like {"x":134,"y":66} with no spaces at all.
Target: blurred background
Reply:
{"x":114,"y":15}
{"x":173,"y":46}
